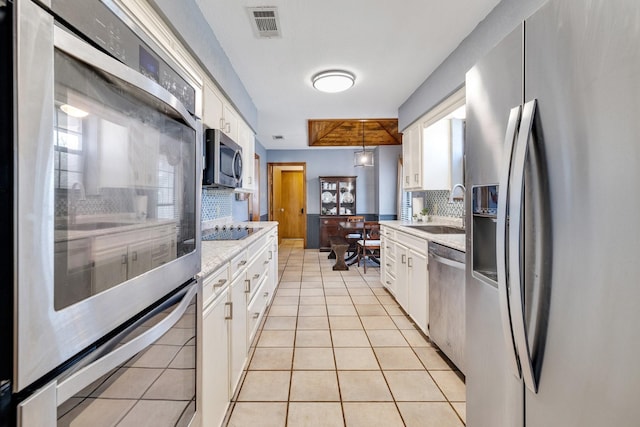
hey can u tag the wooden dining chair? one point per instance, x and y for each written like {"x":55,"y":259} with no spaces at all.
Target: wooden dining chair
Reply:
{"x":369,"y":245}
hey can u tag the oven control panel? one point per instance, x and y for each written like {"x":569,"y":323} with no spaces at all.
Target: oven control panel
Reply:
{"x":97,"y":23}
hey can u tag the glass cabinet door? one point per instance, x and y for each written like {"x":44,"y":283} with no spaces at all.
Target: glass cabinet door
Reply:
{"x":347,"y":197}
{"x":328,"y":197}
{"x":338,"y":195}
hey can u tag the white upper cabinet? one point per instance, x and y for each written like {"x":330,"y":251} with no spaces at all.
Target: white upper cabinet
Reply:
{"x":247,"y":142}
{"x":217,"y":113}
{"x":212,"y":107}
{"x":412,"y":158}
{"x":433,"y":147}
{"x":443,"y":146}
{"x":229,"y":122}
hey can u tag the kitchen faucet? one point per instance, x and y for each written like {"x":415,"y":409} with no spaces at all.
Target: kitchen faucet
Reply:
{"x":452,"y":198}
{"x":73,"y":200}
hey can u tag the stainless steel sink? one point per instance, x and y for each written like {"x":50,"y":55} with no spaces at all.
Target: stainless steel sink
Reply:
{"x":87,"y":226}
{"x":438,"y":229}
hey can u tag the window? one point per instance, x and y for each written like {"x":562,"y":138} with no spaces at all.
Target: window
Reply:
{"x":68,"y":155}
{"x":166,"y":189}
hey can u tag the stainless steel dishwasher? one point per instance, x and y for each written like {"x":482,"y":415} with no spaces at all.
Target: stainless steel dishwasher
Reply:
{"x":447,"y":302}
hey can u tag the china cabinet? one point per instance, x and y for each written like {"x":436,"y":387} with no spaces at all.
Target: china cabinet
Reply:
{"x":337,"y":202}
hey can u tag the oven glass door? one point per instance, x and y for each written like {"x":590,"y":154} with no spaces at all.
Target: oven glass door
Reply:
{"x":155,"y":386}
{"x":107,"y":183}
{"x":123,"y":181}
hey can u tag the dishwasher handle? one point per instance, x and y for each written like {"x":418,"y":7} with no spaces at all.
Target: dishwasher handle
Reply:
{"x":447,"y":261}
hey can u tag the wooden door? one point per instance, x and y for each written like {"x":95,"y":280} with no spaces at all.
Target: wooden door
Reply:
{"x":292,"y":215}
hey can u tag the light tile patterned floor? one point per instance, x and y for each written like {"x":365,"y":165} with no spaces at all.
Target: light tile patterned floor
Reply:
{"x":336,"y":350}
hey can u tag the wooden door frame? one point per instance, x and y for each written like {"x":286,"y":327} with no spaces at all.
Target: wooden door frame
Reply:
{"x":254,"y":198}
{"x":270,"y":171}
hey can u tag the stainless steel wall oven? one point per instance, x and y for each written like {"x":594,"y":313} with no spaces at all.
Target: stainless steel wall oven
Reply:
{"x":100,"y":187}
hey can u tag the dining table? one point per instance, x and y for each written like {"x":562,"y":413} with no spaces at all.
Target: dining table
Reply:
{"x":352,"y":231}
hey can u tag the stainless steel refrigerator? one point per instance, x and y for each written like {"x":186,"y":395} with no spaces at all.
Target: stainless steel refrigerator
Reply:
{"x":553,"y":259}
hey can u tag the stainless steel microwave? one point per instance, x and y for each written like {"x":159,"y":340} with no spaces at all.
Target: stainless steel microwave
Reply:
{"x":222,"y":160}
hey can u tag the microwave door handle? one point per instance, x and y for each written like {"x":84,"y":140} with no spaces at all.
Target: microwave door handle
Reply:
{"x":77,"y":48}
{"x":501,"y":235}
{"x":70,"y":384}
{"x":516,"y":200}
{"x":237,"y":174}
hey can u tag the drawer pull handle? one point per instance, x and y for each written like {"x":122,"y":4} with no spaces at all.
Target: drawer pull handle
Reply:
{"x":388,"y":265}
{"x":228,"y":306}
{"x":266,"y":294}
{"x":220,"y":283}
{"x":255,"y":276}
{"x":241,"y":263}
{"x":266,"y":262}
{"x":247,"y":286}
{"x":388,"y":282}
{"x":256,"y":315}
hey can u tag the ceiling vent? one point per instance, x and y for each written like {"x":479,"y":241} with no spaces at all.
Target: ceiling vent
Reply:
{"x":265,"y":22}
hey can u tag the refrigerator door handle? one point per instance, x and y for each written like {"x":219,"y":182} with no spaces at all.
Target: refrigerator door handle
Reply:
{"x":516,"y":199}
{"x":501,"y":236}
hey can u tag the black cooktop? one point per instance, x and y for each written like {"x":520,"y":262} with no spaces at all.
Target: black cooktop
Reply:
{"x":227,"y":232}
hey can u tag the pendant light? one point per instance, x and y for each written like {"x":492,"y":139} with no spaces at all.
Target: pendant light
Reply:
{"x":364,"y":157}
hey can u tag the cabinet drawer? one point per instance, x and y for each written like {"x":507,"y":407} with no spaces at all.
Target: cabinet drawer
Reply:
{"x":389,"y":282}
{"x":256,"y":309}
{"x":238,"y":264}
{"x":390,"y":266}
{"x":257,"y":246}
{"x":214,"y":284}
{"x":256,"y":271}
{"x":388,"y":232}
{"x":388,"y":248}
{"x":417,"y":243}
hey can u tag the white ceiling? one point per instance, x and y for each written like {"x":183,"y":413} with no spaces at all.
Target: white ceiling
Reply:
{"x":391,"y":47}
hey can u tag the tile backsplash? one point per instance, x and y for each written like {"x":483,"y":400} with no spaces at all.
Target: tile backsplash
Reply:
{"x":437,"y":202}
{"x":216,"y":204}
{"x":108,"y":201}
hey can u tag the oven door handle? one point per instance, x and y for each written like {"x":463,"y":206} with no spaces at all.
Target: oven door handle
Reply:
{"x":77,"y":48}
{"x":69,"y":384}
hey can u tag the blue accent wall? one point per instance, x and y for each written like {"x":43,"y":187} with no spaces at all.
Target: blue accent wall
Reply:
{"x":370,"y":183}
{"x":190,"y":25}
{"x":450,"y":75}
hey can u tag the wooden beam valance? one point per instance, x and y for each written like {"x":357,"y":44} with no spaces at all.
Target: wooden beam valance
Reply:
{"x":348,"y":132}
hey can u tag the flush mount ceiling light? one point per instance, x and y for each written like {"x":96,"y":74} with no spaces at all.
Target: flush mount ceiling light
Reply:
{"x":364,"y":157}
{"x":333,"y":81}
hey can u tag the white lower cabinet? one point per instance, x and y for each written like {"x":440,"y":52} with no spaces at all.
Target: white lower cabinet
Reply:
{"x":402,"y":279}
{"x":215,"y":363}
{"x":238,"y":337}
{"x":405,"y":273}
{"x":236,"y":297}
{"x":418,"y":282}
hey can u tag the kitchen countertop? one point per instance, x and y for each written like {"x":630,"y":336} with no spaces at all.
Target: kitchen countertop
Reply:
{"x":217,"y":252}
{"x":455,"y":241}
